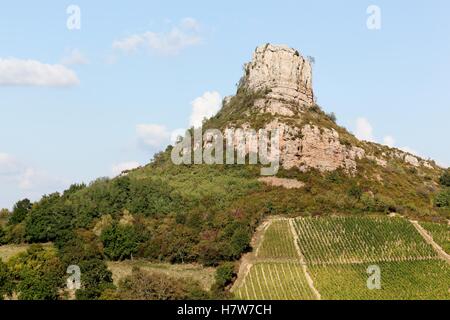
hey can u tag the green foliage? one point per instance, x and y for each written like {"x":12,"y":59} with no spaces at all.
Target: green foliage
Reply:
{"x":444,"y":180}
{"x":355,"y":191}
{"x":6,"y":283}
{"x":225,"y":274}
{"x":154,"y":286}
{"x":20,"y":211}
{"x":240,"y":241}
{"x":38,"y":273}
{"x":2,"y":236}
{"x":119,"y":241}
{"x":95,"y":279}
{"x":443,"y":199}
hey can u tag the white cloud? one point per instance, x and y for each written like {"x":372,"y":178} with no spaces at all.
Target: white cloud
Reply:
{"x":17,"y":72}
{"x":117,"y":169}
{"x":15,"y":173}
{"x":8,"y":164}
{"x":153,"y":135}
{"x":181,"y":36}
{"x":205,"y":106}
{"x":364,"y":130}
{"x":389,"y":141}
{"x":74,"y":57}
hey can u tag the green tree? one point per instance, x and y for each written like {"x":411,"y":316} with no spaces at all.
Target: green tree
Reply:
{"x":240,"y":241}
{"x":95,"y":279}
{"x":20,"y":211}
{"x":119,"y":241}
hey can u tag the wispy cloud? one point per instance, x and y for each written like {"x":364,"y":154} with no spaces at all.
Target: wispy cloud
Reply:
{"x":185,"y":34}
{"x":17,"y":72}
{"x":153,"y":135}
{"x":74,"y":57}
{"x":364,"y":130}
{"x":25,"y":177}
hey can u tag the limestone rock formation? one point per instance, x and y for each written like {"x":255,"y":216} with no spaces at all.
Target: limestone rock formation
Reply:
{"x":282,"y":70}
{"x":309,"y":138}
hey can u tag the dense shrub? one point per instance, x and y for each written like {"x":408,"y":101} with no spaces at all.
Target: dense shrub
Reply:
{"x":6,"y":283}
{"x":445,"y":178}
{"x":95,"y":279}
{"x":154,"y":286}
{"x":443,"y":199}
{"x":224,"y":274}
{"x":39,"y":274}
{"x":2,"y":236}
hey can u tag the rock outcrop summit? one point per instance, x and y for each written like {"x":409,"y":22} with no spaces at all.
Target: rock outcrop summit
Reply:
{"x":280,"y":80}
{"x":284,"y":71}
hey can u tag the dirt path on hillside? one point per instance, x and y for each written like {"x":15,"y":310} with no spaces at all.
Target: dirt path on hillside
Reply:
{"x":303,"y":262}
{"x":248,"y":259}
{"x":428,"y":238}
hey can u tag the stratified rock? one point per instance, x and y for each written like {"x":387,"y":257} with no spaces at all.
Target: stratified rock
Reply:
{"x":282,"y":70}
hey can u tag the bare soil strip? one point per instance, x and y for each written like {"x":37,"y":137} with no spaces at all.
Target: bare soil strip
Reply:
{"x":247,"y":259}
{"x":303,"y":262}
{"x":442,"y":254}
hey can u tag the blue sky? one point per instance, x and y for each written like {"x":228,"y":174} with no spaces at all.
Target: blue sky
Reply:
{"x":84,"y":103}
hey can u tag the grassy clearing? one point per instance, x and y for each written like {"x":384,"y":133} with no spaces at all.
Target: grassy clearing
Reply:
{"x":278,"y":242}
{"x":205,"y":276}
{"x":360,"y":239}
{"x":11,"y":250}
{"x":275,"y":281}
{"x":406,"y":280}
{"x":440,"y":233}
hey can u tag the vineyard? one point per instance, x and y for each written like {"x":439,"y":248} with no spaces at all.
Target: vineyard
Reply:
{"x":308,"y":258}
{"x":406,"y":280}
{"x":278,"y":242}
{"x":275,"y":281}
{"x":359,"y":240}
{"x":440,"y":233}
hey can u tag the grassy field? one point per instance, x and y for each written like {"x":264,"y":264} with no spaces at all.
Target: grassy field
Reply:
{"x":275,"y":281}
{"x":440,"y":233}
{"x":11,"y":250}
{"x":205,"y":276}
{"x":338,"y":251}
{"x":278,"y":242}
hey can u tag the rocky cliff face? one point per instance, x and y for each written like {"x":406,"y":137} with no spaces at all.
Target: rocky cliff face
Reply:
{"x":282,"y":70}
{"x":310,"y":139}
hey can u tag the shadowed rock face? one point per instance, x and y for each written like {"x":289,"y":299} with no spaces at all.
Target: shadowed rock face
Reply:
{"x":284,"y":71}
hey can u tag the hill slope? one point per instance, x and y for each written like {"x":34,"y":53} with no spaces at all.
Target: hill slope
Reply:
{"x":208,"y":213}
